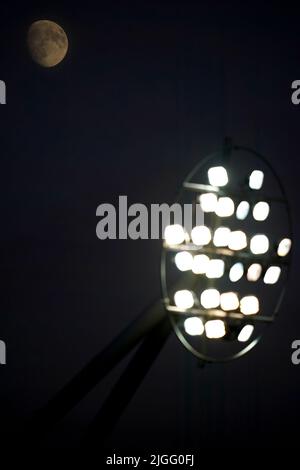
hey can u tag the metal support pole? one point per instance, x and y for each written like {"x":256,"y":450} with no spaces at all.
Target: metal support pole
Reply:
{"x":124,"y":390}
{"x":97,"y":369}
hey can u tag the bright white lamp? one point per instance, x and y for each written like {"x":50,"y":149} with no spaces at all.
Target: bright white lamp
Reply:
{"x":259,"y":244}
{"x":200,"y":263}
{"x":215,"y":329}
{"x":272,"y":275}
{"x":284,"y":247}
{"x":236,"y":272}
{"x":184,"y":299}
{"x":242,"y":210}
{"x":184,"y":261}
{"x":229,"y":301}
{"x":193,"y":326}
{"x":221,"y":236}
{"x":225,"y":207}
{"x":237,"y":240}
{"x":261,"y":211}
{"x":245,"y":333}
{"x":249,"y":305}
{"x":208,"y":202}
{"x":256,"y":179}
{"x":215,"y":268}
{"x":201,"y":235}
{"x":217,"y":176}
{"x":210,"y":298}
{"x":254,"y":272}
{"x":174,"y":234}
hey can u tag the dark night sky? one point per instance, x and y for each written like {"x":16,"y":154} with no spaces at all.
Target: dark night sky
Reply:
{"x":146,"y":90}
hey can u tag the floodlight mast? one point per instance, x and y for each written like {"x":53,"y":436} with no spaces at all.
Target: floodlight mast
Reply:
{"x":151,"y":328}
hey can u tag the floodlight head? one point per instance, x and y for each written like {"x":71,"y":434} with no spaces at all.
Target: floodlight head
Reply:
{"x":232,"y":269}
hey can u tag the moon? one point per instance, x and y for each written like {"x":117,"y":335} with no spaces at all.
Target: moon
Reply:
{"x":47,"y":43}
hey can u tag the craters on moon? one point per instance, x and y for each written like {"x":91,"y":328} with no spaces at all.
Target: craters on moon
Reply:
{"x":47,"y":43}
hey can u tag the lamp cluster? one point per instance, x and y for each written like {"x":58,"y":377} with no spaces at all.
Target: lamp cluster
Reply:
{"x":218,"y":251}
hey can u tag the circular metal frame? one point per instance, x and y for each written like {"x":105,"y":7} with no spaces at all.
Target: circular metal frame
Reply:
{"x":187,"y":185}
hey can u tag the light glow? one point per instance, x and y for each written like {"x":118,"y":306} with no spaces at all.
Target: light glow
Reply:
{"x":221,"y":236}
{"x":184,"y":261}
{"x":200,"y":264}
{"x":229,"y":301}
{"x":184,"y":299}
{"x":215,"y":329}
{"x":272,"y":275}
{"x":217,"y":176}
{"x":242,"y":210}
{"x":256,"y":179}
{"x":201,"y":235}
{"x":215,"y":268}
{"x":174,"y":234}
{"x":208,"y":202}
{"x":249,"y":305}
{"x":284,"y":247}
{"x":237,"y":240}
{"x":193,"y":326}
{"x":225,"y":207}
{"x":261,"y":211}
{"x":254,"y":272}
{"x":245,"y":333}
{"x":236,"y":272}
{"x":210,"y":298}
{"x":259,"y":244}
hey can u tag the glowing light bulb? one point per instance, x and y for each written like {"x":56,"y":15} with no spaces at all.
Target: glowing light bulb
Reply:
{"x":208,"y":202}
{"x":201,"y":235}
{"x":217,"y":176}
{"x":184,"y":260}
{"x":261,"y":211}
{"x":215,"y":268}
{"x":210,"y":298}
{"x":193,"y":326}
{"x":174,"y":234}
{"x":225,"y":207}
{"x":245,"y":333}
{"x":242,"y":210}
{"x":237,"y":240}
{"x":184,"y":299}
{"x":256,"y":179}
{"x":236,"y":272}
{"x":215,"y":329}
{"x":272,"y":275}
{"x":284,"y":247}
{"x":200,"y":264}
{"x":259,"y":244}
{"x":254,"y":272}
{"x":249,"y":305}
{"x":221,"y":236}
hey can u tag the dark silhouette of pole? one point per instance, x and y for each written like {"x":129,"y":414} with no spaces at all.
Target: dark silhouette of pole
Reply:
{"x":97,"y":369}
{"x":124,"y":390}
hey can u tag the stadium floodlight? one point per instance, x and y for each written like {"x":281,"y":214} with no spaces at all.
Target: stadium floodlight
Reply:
{"x":237,"y":270}
{"x":217,"y":318}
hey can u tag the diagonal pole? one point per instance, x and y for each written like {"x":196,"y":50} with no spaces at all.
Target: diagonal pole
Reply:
{"x":97,"y":369}
{"x":125,"y":388}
